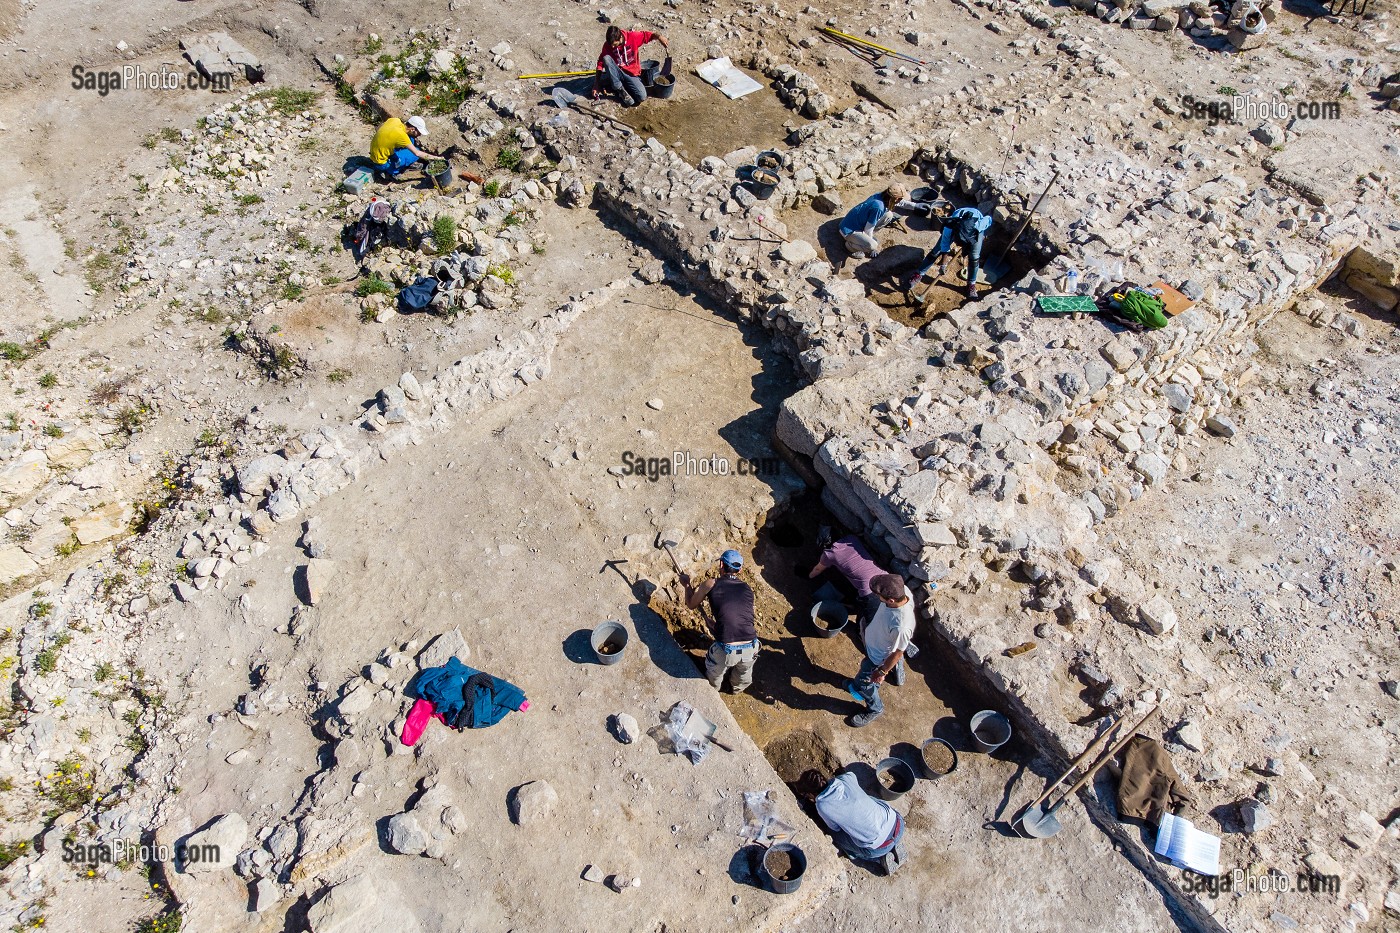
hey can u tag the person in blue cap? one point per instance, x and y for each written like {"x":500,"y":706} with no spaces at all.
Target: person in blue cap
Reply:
{"x":731,"y":606}
{"x":968,"y":226}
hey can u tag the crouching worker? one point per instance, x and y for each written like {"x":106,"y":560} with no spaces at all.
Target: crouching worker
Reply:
{"x":393,"y":149}
{"x":861,"y":826}
{"x":860,"y":225}
{"x":620,"y":64}
{"x":967,"y":226}
{"x":731,"y":603}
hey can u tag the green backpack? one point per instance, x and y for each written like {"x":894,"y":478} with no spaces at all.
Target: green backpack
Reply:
{"x":1144,"y":308}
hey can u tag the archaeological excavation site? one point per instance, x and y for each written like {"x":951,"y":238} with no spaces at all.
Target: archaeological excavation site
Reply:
{"x":711,"y":465}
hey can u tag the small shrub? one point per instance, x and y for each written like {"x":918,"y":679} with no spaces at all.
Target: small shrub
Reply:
{"x":287,"y":101}
{"x":510,"y":158}
{"x":14,"y":352}
{"x":104,"y":672}
{"x":374,"y":285}
{"x":11,"y":852}
{"x":337,"y":376}
{"x":491,"y":189}
{"x":445,"y":233}
{"x":52,"y":430}
{"x":292,"y":292}
{"x":67,"y":548}
{"x":165,"y":923}
{"x":248,"y":200}
{"x":40,"y":609}
{"x":504,"y":273}
{"x":48,"y":381}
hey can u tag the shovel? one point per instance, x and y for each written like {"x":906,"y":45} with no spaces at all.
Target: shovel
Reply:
{"x":1039,"y":821}
{"x":566,"y":99}
{"x":998,"y":267}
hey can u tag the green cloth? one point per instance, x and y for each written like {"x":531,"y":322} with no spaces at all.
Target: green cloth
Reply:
{"x":1145,"y":309}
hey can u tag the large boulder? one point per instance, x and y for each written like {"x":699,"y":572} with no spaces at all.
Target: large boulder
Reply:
{"x":214,"y":847}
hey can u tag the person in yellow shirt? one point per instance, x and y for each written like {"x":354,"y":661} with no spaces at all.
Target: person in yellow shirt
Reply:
{"x":393,"y":149}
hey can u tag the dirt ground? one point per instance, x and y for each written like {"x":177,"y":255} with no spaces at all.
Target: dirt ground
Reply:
{"x":520,"y":529}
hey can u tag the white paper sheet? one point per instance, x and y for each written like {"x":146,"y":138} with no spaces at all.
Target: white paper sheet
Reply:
{"x":731,"y":82}
{"x":1186,"y":846}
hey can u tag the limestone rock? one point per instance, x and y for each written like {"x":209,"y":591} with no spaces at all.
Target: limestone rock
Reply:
{"x":316,"y":576}
{"x":26,"y":474}
{"x":449,"y":644}
{"x":100,"y":524}
{"x":1255,"y":816}
{"x":627,"y":728}
{"x":828,"y":202}
{"x":1157,"y":615}
{"x":74,"y":450}
{"x":1221,"y":426}
{"x":216,"y":846}
{"x":532,"y":802}
{"x":14,"y":563}
{"x":406,"y":837}
{"x":797,"y":252}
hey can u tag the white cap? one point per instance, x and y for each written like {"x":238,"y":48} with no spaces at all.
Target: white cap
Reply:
{"x":418,"y":124}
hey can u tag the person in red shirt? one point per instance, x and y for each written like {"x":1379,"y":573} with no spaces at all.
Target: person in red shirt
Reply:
{"x":620,"y":64}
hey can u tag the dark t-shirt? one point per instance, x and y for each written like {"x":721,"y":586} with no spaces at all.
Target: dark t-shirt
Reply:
{"x":731,"y":601}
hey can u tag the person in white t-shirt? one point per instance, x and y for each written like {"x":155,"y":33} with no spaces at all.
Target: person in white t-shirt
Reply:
{"x":887,"y":637}
{"x":861,"y":826}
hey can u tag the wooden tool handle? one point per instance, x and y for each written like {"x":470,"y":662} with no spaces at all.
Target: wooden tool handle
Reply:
{"x":1083,"y":756}
{"x":1103,"y":759}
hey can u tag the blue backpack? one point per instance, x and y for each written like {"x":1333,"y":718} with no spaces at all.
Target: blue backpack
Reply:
{"x":420,"y":294}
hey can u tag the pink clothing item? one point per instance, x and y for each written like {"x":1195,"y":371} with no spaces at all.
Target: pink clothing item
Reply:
{"x":418,"y":719}
{"x":855,"y":563}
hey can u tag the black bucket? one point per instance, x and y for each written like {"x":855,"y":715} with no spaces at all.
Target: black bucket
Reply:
{"x":893,"y":778}
{"x":762,"y":182}
{"x":829,"y":617}
{"x":662,"y":88}
{"x":443,"y":179}
{"x":650,"y":69}
{"x":797,"y":868}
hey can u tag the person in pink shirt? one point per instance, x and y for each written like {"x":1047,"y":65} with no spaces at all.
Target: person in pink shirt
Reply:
{"x":620,"y":64}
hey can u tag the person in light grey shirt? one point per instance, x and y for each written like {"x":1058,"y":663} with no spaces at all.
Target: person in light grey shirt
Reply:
{"x":861,"y":826}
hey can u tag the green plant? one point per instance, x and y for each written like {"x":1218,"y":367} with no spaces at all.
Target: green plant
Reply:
{"x":372,"y":45}
{"x":48,"y":381}
{"x":248,"y":200}
{"x":509,"y":158}
{"x":435,"y":167}
{"x":444,"y":233}
{"x":502,"y":272}
{"x":14,"y":352}
{"x":40,"y":609}
{"x":67,"y":548}
{"x":287,"y":101}
{"x":491,"y":189}
{"x":338,"y":376}
{"x":52,"y":430}
{"x":11,"y":421}
{"x":133,"y":418}
{"x":373,"y":285}
{"x":46,"y":661}
{"x":292,"y":292}
{"x":1226,"y":91}
{"x":104,"y":672}
{"x":11,"y":852}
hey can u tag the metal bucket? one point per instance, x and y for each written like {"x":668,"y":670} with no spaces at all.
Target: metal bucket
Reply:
{"x":990,"y":730}
{"x":799,"y":864}
{"x":662,"y":88}
{"x":893,"y":778}
{"x":928,"y":771}
{"x":829,"y":617}
{"x":609,"y":642}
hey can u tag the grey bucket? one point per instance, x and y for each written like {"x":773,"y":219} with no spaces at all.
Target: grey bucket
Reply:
{"x":799,"y":862}
{"x":929,"y":773}
{"x":903,"y":778}
{"x":610,"y":634}
{"x":990,"y":730}
{"x":829,"y":617}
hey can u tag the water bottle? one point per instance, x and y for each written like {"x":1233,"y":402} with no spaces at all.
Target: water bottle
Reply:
{"x":1072,"y":282}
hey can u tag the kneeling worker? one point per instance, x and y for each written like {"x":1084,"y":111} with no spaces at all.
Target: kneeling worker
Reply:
{"x":393,"y":149}
{"x":968,"y":226}
{"x":620,"y":64}
{"x":860,"y":224}
{"x":731,"y":603}
{"x":861,"y":826}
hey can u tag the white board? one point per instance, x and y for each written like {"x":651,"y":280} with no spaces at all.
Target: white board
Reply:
{"x":731,"y":82}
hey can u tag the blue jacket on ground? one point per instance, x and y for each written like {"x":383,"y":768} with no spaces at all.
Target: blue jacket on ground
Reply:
{"x":443,"y":687}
